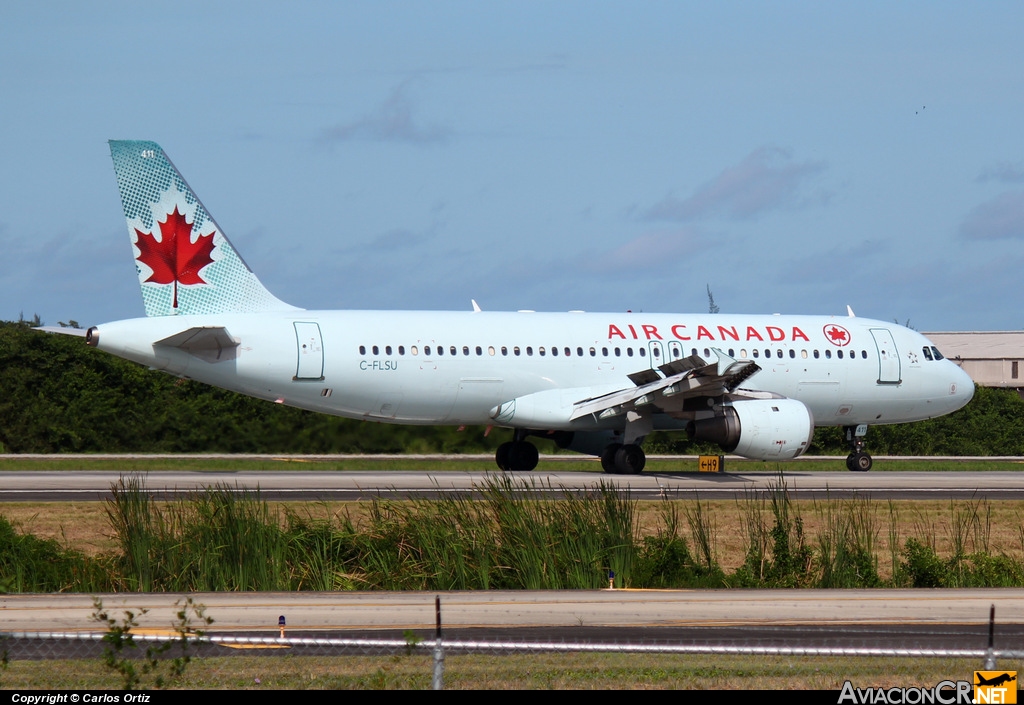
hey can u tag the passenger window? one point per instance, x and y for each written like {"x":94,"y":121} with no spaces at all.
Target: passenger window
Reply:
{"x":743,"y":354}
{"x":529,"y":350}
{"x":540,"y":351}
{"x":481,"y":352}
{"x":376,"y":350}
{"x":362,"y":349}
{"x":792,"y":353}
{"x":453,"y":350}
{"x":465,"y":350}
{"x":387,"y":350}
{"x":731,"y":353}
{"x":828,"y":354}
{"x":643,"y":353}
{"x":757,"y":353}
{"x":504,"y":350}
{"x":864,"y":354}
{"x":440,"y":350}
{"x":579,"y":352}
{"x":604,"y":351}
{"x":426,"y":350}
{"x":839,"y":354}
{"x":593,"y":352}
{"x":568,"y":352}
{"x":618,"y":352}
{"x":515,"y":351}
{"x":816,"y":354}
{"x":554,"y":351}
{"x":779,"y":353}
{"x":414,"y":350}
{"x":401,"y":350}
{"x":803,"y":354}
{"x":629,"y":352}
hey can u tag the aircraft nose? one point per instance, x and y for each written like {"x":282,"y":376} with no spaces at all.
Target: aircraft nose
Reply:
{"x":961,"y":388}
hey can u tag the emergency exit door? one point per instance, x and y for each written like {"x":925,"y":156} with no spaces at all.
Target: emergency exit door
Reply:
{"x":310,"y":350}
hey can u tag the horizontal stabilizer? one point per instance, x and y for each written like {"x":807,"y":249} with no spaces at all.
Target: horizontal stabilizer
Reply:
{"x":210,"y":343}
{"x":63,"y":330}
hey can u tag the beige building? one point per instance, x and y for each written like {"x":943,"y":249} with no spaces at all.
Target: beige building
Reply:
{"x":991,"y":358}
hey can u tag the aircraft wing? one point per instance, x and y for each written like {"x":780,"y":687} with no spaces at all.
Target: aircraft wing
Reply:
{"x":667,"y":388}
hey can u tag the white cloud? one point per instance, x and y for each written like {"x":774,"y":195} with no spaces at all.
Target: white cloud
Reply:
{"x":767,"y":179}
{"x":1001,"y":217}
{"x":392,"y":121}
{"x":1005,"y":172}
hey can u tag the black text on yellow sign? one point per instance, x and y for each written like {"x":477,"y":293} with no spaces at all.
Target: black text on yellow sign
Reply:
{"x":711,"y":463}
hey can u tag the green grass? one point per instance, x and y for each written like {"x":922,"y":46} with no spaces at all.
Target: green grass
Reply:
{"x":256,"y":671}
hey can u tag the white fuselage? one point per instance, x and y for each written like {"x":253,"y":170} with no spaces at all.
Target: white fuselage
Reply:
{"x":456,"y":367}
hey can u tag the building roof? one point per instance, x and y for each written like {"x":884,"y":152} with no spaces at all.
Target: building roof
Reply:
{"x":980,"y":345}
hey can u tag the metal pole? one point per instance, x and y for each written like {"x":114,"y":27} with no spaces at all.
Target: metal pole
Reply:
{"x":990,"y":655}
{"x":437,"y":683}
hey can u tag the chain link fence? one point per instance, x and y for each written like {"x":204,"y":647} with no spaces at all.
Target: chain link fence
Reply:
{"x":83,"y":660}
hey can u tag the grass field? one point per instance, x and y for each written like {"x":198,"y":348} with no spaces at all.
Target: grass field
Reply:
{"x":515,"y":672}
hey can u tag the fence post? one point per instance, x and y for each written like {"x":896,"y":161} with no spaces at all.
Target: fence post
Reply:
{"x":437,"y":683}
{"x":990,"y":655}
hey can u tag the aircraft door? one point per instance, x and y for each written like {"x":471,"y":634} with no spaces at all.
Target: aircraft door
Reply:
{"x":656,"y":353}
{"x":310,"y":351}
{"x":888,"y":356}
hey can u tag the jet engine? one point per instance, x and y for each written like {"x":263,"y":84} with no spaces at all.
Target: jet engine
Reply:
{"x":761,"y":429}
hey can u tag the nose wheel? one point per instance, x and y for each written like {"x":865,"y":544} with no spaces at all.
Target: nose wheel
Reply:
{"x":858,"y":460}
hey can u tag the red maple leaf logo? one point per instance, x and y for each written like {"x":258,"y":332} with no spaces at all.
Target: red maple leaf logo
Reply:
{"x":175,"y":258}
{"x":837,"y":335}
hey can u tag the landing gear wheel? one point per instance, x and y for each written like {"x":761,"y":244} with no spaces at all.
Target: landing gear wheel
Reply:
{"x":523,"y":457}
{"x":502,"y":456}
{"x":630,"y":459}
{"x":608,"y":458}
{"x":858,"y":462}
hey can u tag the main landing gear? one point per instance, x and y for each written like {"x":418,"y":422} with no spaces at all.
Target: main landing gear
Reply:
{"x":858,"y":460}
{"x":518,"y":455}
{"x":623,"y":459}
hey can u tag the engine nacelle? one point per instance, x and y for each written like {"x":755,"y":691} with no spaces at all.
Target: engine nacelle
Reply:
{"x":761,"y":429}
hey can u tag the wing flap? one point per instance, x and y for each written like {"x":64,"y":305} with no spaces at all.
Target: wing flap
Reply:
{"x":683,"y":379}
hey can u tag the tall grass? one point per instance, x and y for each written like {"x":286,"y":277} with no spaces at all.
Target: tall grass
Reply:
{"x":513,"y":537}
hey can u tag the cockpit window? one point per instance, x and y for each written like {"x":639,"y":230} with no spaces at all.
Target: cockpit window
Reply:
{"x":936,"y":353}
{"x":927,"y":352}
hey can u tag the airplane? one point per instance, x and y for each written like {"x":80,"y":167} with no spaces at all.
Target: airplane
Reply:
{"x":595,"y":383}
{"x":995,"y":680}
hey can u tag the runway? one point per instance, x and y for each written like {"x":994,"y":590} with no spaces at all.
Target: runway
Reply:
{"x":893,"y":619}
{"x":62,"y":486}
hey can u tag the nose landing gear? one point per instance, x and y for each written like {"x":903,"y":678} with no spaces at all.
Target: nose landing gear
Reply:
{"x":858,"y":460}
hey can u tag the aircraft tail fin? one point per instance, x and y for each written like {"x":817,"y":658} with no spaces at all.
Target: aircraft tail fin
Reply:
{"x":185,"y":263}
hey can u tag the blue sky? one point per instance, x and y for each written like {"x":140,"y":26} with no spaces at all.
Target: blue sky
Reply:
{"x":796,"y":157}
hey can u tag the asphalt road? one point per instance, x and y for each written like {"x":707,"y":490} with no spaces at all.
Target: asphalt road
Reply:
{"x":888,"y":619}
{"x":61,"y":486}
